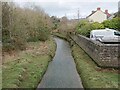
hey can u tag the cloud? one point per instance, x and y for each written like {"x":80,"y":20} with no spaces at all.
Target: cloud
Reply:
{"x":63,"y":1}
{"x":70,"y":7}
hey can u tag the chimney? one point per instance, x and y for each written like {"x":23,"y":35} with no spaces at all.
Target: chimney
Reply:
{"x":98,"y":8}
{"x":106,"y":11}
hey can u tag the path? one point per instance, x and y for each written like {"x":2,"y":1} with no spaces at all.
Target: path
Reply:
{"x":61,"y":71}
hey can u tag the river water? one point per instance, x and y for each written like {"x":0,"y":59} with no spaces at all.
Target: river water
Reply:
{"x":61,"y":72}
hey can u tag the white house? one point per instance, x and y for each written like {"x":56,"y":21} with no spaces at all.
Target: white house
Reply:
{"x":98,"y":16}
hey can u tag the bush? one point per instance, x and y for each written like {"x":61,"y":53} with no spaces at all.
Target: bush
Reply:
{"x":107,"y":23}
{"x":44,"y":34}
{"x":97,"y":25}
{"x":21,"y":25}
{"x":7,"y":47}
{"x":84,"y":27}
{"x":16,"y":43}
{"x":41,"y":34}
{"x":112,"y":24}
{"x":85,"y":30}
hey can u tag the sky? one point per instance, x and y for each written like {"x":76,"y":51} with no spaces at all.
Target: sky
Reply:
{"x":70,"y":8}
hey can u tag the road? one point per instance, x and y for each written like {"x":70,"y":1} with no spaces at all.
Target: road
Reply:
{"x":61,"y":72}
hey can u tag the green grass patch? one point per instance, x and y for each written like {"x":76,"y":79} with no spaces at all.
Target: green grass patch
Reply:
{"x":28,"y":70}
{"x":93,"y":76}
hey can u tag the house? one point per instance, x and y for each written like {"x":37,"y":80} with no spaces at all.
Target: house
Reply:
{"x":112,"y":16}
{"x":98,"y":15}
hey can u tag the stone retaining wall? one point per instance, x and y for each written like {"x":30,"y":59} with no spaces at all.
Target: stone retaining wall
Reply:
{"x":105,"y":55}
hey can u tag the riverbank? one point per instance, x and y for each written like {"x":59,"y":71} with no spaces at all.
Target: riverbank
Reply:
{"x":93,"y":76}
{"x":0,"y":76}
{"x":25,"y":69}
{"x":60,"y":36}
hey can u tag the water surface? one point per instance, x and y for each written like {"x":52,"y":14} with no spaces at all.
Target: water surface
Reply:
{"x":61,"y":72}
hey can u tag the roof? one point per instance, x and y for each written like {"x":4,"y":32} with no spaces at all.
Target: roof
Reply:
{"x":92,"y":13}
{"x":108,"y":15}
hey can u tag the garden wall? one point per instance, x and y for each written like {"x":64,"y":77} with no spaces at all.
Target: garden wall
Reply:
{"x":105,"y":55}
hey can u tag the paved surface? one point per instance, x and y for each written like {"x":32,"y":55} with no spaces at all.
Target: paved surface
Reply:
{"x":61,"y":71}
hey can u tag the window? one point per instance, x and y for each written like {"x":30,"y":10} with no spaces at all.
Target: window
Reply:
{"x":117,"y":33}
{"x":91,"y":36}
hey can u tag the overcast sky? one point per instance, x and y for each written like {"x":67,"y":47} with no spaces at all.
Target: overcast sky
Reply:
{"x":70,"y":8}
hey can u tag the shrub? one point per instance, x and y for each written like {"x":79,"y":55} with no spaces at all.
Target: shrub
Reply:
{"x":106,"y":23}
{"x":112,"y":24}
{"x":44,"y":34}
{"x":20,"y":25}
{"x":84,"y":27}
{"x":97,"y":25}
{"x":85,"y":30}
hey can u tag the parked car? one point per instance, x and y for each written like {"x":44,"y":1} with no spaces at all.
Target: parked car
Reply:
{"x":105,"y":35}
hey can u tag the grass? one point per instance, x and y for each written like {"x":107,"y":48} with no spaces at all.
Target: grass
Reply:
{"x":0,"y":66}
{"x":0,"y":77}
{"x":28,"y":70}
{"x":93,"y":76}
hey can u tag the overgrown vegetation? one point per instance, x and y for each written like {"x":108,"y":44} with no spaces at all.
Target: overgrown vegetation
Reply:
{"x":65,"y":37}
{"x":84,"y":27}
{"x":26,"y":68}
{"x":56,"y":22}
{"x":93,"y":76}
{"x":65,"y":26}
{"x":27,"y":45}
{"x":0,"y":46}
{"x":113,"y":24}
{"x":21,"y":25}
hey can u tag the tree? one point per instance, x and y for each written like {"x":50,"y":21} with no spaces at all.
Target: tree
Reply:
{"x":63,"y":28}
{"x":55,"y":22}
{"x":5,"y":22}
{"x":21,"y":25}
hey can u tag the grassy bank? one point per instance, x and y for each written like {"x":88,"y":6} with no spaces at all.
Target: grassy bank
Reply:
{"x":91,"y":75}
{"x":0,"y":66}
{"x":26,"y":68}
{"x":60,"y":35}
{"x":0,"y":77}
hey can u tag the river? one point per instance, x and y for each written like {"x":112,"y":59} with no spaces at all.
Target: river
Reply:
{"x":61,"y":72}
